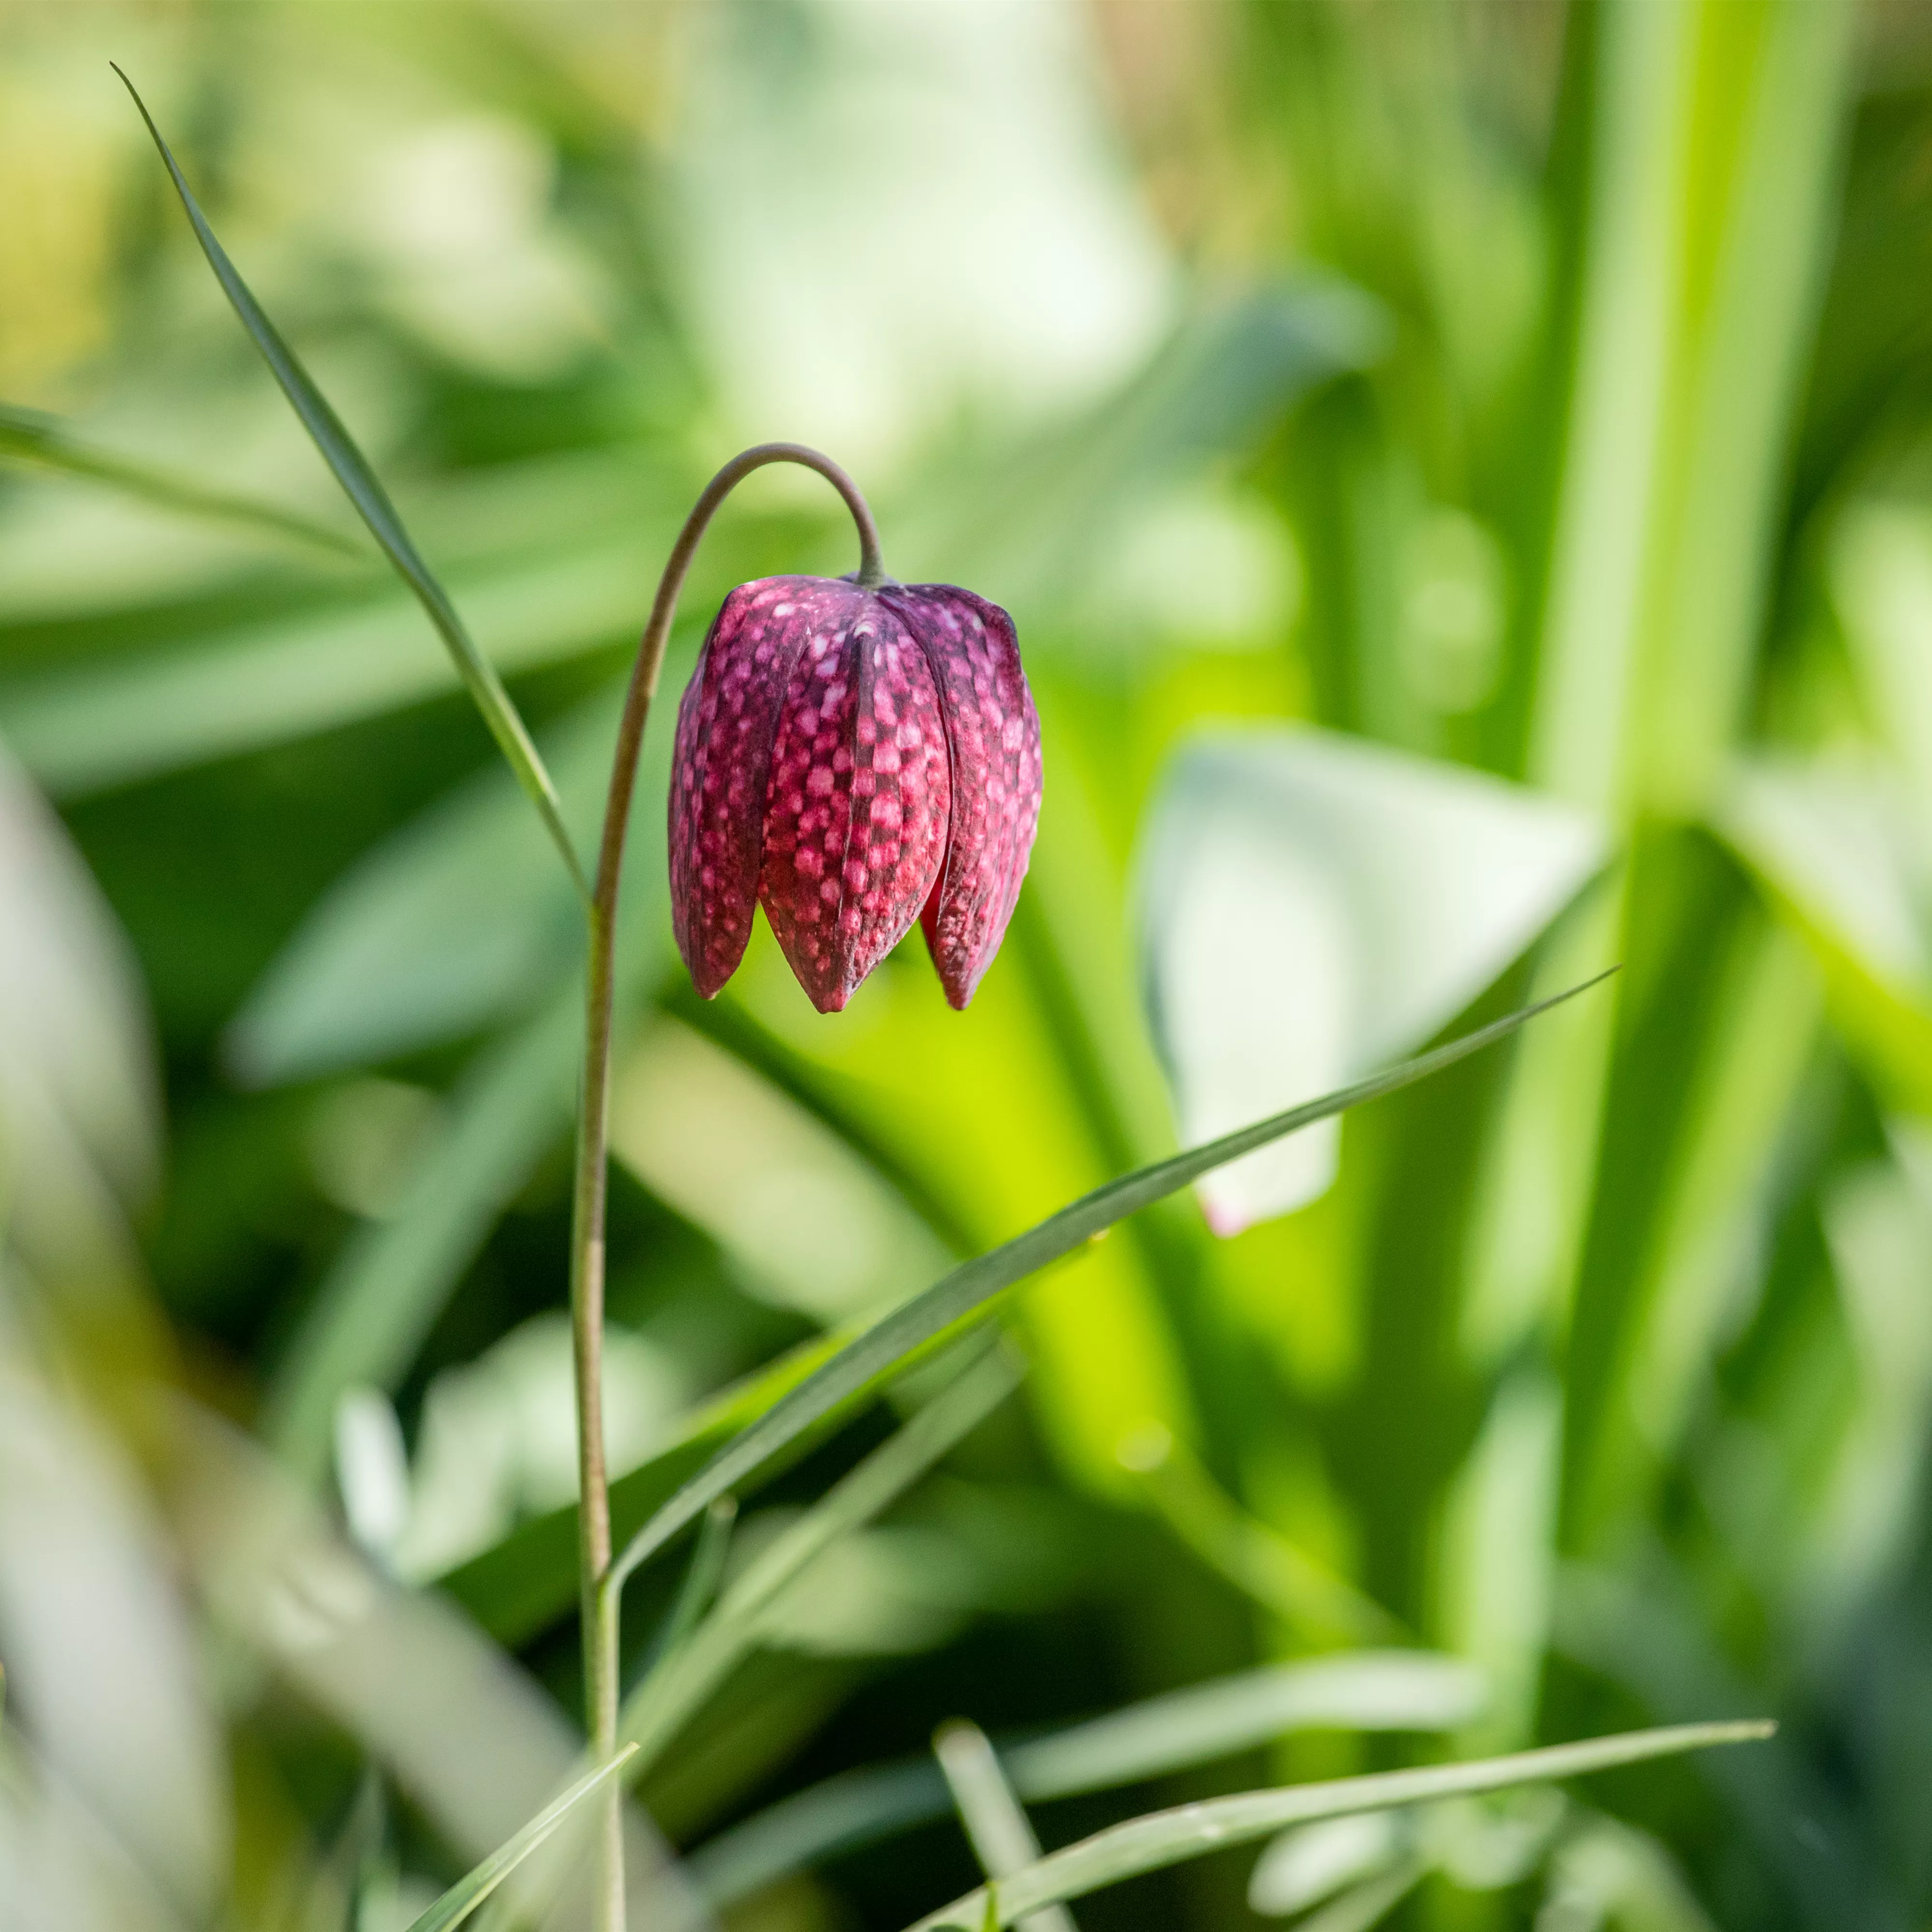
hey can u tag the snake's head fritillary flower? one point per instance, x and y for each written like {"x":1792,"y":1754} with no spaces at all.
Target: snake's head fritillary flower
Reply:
{"x":853,"y":760}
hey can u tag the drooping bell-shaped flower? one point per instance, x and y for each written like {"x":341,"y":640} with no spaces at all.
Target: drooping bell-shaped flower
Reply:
{"x":853,"y":760}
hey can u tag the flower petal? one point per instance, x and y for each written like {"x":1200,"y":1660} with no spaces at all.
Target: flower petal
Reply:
{"x":993,"y":733}
{"x":726,"y":723}
{"x":856,"y":812}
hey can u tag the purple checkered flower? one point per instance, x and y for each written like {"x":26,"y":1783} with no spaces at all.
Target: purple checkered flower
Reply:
{"x":853,"y":760}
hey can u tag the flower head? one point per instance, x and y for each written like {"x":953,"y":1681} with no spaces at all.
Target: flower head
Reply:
{"x":853,"y":760}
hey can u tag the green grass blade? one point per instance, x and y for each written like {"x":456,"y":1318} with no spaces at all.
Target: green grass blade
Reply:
{"x":27,"y":436}
{"x":891,"y":1343}
{"x":1164,"y":1838}
{"x":1367,"y":1904}
{"x":700,"y":1586}
{"x":470,"y":1891}
{"x":352,"y":472}
{"x":1002,"y":1836}
{"x":1364,"y":1690}
{"x":1359,"y":1691}
{"x":660,"y":1706}
{"x":520,"y":1586}
{"x":840,"y":1814}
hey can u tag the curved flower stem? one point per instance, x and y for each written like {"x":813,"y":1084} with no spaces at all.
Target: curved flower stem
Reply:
{"x":599,"y":1604}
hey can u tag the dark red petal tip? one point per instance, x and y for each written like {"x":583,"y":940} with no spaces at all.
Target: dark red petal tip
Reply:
{"x":993,"y":737}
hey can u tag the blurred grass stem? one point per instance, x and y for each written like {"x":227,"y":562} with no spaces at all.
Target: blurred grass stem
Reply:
{"x":601,"y":1594}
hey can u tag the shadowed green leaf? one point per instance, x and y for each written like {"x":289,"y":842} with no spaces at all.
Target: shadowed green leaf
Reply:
{"x":352,"y":472}
{"x":1258,"y":1560}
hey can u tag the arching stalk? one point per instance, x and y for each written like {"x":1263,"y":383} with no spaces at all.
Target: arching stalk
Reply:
{"x":599,"y":1606}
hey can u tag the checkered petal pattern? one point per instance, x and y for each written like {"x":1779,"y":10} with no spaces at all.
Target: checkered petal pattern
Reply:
{"x":854,"y":761}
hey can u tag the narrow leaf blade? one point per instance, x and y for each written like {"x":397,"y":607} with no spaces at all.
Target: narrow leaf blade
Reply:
{"x":359,"y":481}
{"x":1001,"y":1834}
{"x":1358,"y":1691}
{"x":470,"y":1891}
{"x":655,"y":1712}
{"x":1163,"y":1838}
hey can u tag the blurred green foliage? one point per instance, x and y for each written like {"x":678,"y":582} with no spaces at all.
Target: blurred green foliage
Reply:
{"x":1525,"y":390}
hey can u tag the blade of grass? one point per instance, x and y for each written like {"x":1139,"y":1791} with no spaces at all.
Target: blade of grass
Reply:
{"x":654,"y":1713}
{"x":28,"y":437}
{"x":840,"y":1814}
{"x":470,"y":1891}
{"x":1368,"y":1904}
{"x":1164,"y":1838}
{"x":520,"y":1586}
{"x":894,"y":1342}
{"x":359,"y":481}
{"x":1003,"y":1838}
{"x":1366,"y":1691}
{"x":700,"y":1586}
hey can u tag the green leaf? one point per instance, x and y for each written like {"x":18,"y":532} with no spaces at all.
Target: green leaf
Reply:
{"x":1310,"y":1863}
{"x":470,"y":1891}
{"x":1767,"y":118}
{"x":1745,"y":1086}
{"x":27,"y":436}
{"x":1364,"y":1690}
{"x":102,"y":1643}
{"x":1164,"y":1838}
{"x":1389,"y":890}
{"x":78,"y":1118}
{"x":353,"y":472}
{"x":105,"y":724}
{"x":451,"y":923}
{"x":1002,"y":1835}
{"x":1367,"y":1904}
{"x":894,"y":1343}
{"x":708,"y":1136}
{"x":524,"y":1584}
{"x":658,"y":1708}
{"x":1836,"y":852}
{"x":700,"y":1586}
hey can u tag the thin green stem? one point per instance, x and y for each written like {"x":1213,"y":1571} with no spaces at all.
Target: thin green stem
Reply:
{"x":599,"y":1604}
